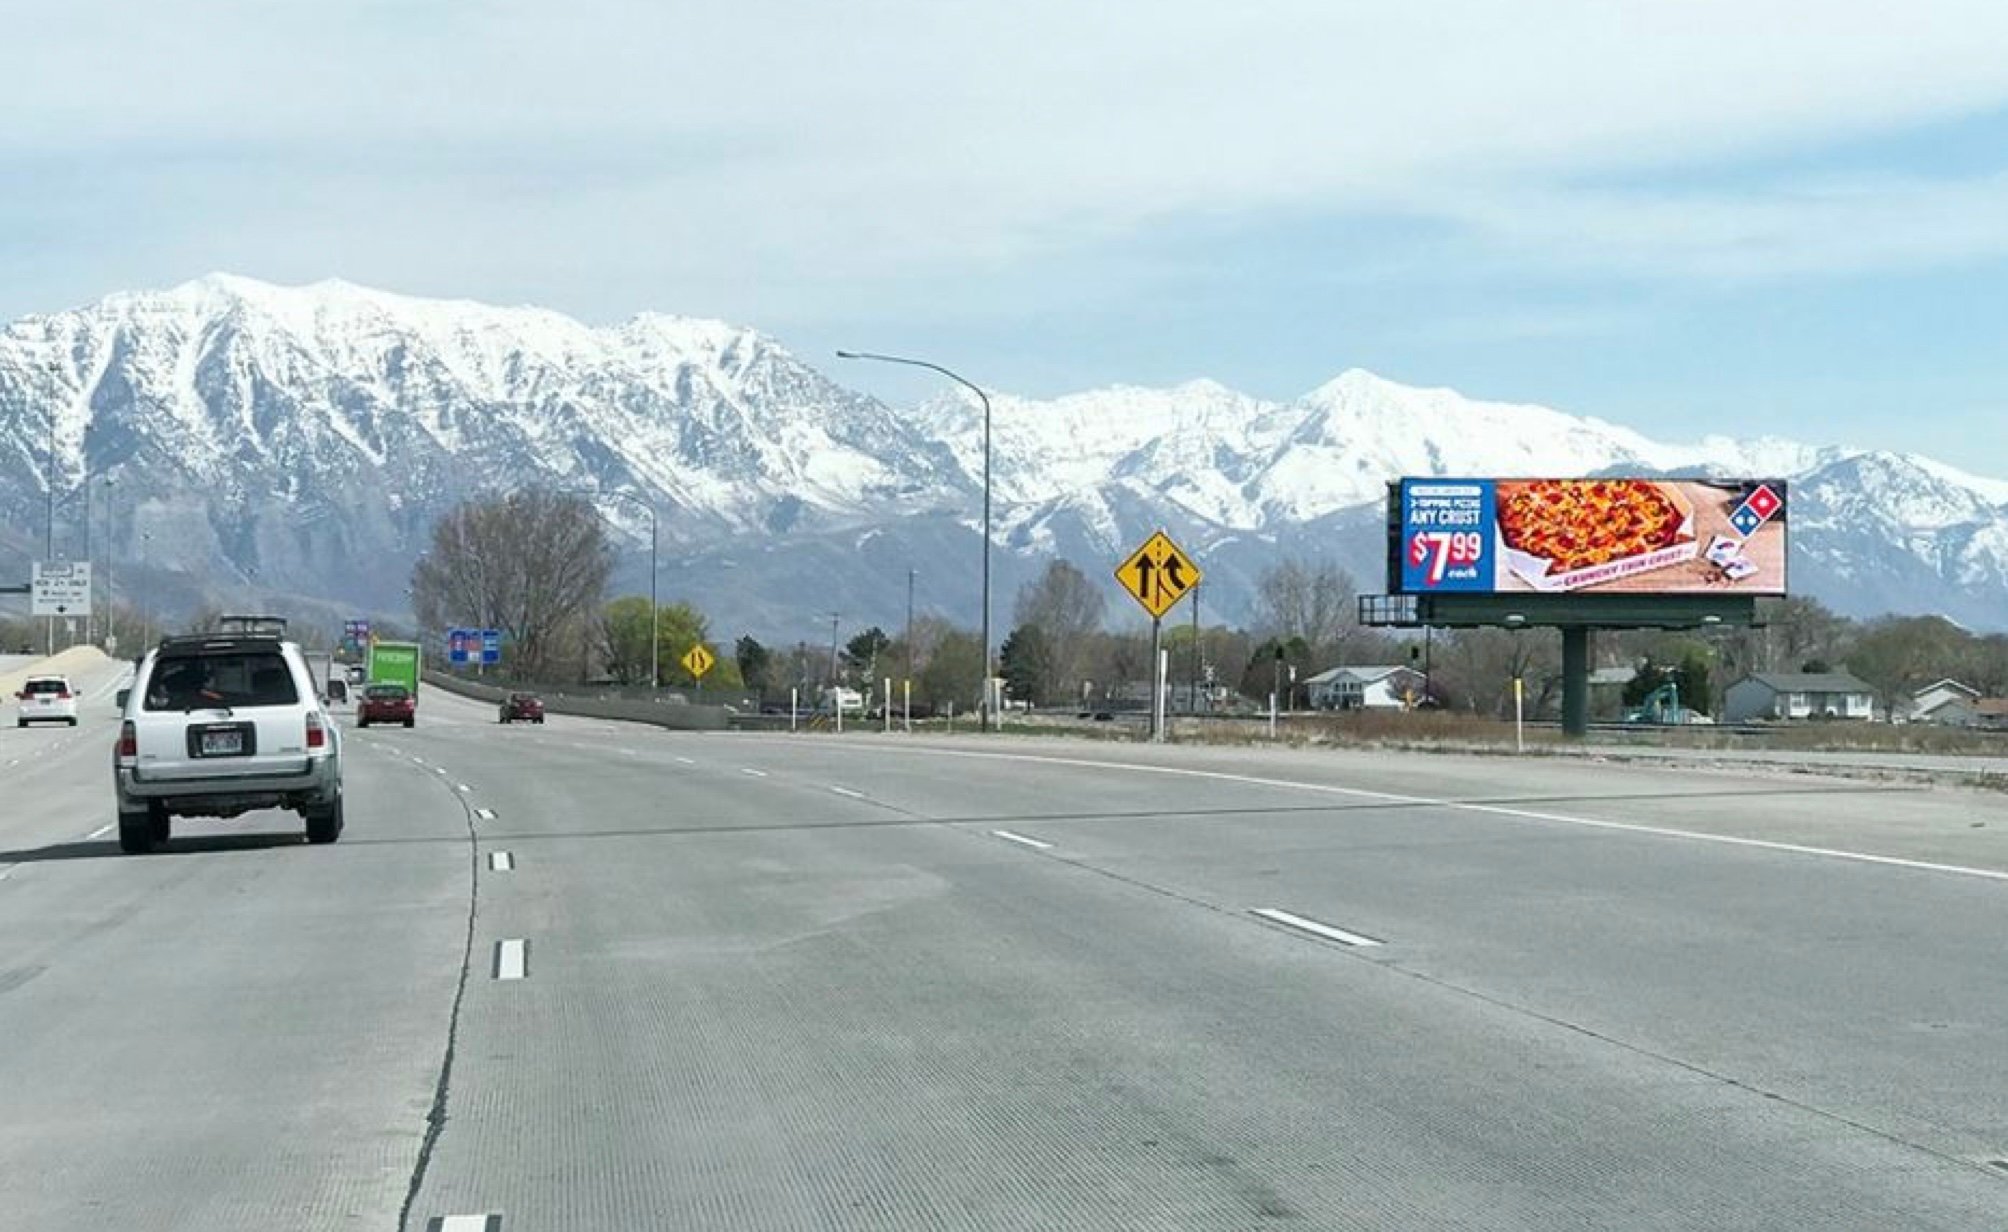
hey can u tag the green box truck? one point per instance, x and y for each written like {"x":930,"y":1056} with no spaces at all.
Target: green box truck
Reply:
{"x":395,"y":663}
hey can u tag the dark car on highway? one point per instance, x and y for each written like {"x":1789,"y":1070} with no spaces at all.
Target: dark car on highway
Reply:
{"x":522,"y":707}
{"x":387,"y":703}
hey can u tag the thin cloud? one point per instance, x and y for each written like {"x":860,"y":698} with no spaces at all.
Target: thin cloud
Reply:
{"x":776,"y":159}
{"x":1822,"y":228}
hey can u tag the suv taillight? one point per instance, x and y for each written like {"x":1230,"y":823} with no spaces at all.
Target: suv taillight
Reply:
{"x":63,"y":696}
{"x":128,"y":740}
{"x":316,"y":738}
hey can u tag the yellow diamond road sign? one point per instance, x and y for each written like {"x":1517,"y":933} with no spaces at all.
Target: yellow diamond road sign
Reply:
{"x":1158,"y":574}
{"x":698,"y":661}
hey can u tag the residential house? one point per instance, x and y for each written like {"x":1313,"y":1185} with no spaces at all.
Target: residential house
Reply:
{"x":1798,"y":695}
{"x":1947,"y":702}
{"x":1365,"y":688}
{"x":1991,"y":714}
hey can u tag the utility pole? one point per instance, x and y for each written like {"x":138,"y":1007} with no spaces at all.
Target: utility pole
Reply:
{"x":833,"y":652}
{"x":909,"y":624}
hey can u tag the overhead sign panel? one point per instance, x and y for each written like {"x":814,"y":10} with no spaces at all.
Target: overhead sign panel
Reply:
{"x":474,"y":646}
{"x":1158,"y":574}
{"x":59,"y":588}
{"x":1589,"y":536}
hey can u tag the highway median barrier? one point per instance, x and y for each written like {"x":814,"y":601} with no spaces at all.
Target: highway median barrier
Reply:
{"x":676,"y":715}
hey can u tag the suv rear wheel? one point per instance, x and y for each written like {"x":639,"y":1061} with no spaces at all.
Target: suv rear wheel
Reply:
{"x":140,"y":833}
{"x":324,"y":825}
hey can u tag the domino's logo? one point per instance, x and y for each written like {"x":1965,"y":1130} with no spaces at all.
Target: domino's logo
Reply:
{"x":1757,"y":508}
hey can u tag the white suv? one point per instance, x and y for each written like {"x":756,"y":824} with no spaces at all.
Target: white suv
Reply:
{"x":46,"y":699}
{"x":219,"y":724}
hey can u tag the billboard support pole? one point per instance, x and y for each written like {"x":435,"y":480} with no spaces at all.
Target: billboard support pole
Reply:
{"x":1519,"y":715}
{"x":1575,"y":681}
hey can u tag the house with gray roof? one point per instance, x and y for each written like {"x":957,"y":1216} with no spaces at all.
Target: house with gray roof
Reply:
{"x":1389,"y":687}
{"x":1764,"y":696}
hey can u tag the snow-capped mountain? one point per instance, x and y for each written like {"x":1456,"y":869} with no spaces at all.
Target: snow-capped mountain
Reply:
{"x":299,"y":441}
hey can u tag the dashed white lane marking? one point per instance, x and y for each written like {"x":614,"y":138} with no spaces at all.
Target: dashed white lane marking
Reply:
{"x":462,"y":787}
{"x":688,"y":761}
{"x":845,"y":791}
{"x":466,"y":1223}
{"x":1466,"y":806}
{"x":758,"y":774}
{"x":15,"y":762}
{"x":1313,"y":927}
{"x":512,"y":959}
{"x":501,"y":862}
{"x":100,"y":832}
{"x":1009,"y":837}
{"x":485,"y":814}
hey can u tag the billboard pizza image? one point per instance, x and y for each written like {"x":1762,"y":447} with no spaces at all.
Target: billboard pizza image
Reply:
{"x":1592,"y":536}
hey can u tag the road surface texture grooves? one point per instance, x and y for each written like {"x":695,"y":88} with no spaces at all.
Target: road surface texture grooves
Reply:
{"x":815,"y":1011}
{"x":436,"y":1114}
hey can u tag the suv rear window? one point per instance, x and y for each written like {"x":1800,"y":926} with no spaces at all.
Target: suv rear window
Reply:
{"x":232,"y":679}
{"x":385,"y":692}
{"x":46,"y":686}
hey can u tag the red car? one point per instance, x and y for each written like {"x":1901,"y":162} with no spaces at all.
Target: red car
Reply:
{"x":527,"y":707}
{"x":387,"y":703}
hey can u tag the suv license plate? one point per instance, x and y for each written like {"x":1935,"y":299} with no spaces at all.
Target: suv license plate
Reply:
{"x":222,"y":743}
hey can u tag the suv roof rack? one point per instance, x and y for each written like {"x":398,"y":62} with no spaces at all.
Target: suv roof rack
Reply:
{"x":272,"y":626}
{"x":181,"y":644}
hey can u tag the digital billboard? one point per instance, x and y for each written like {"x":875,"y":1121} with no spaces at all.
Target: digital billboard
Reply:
{"x":1589,"y":536}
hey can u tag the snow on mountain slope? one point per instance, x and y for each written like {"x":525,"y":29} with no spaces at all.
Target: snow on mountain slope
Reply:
{"x":304,"y":439}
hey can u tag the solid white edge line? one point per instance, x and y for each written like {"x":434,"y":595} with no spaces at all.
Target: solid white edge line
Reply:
{"x":485,"y":814}
{"x":1279,"y":916}
{"x":758,"y":774}
{"x":1009,"y":837}
{"x":512,"y":958}
{"x":845,"y":791}
{"x":101,"y":831}
{"x":1496,"y":810}
{"x":501,"y":862}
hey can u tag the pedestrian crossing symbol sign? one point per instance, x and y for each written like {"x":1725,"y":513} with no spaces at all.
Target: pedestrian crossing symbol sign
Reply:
{"x":698,"y":661}
{"x":1158,"y":574}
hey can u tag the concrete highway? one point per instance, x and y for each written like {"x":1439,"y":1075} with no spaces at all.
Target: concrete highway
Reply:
{"x":593,"y":976}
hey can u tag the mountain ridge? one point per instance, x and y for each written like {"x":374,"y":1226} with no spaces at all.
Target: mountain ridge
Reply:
{"x":300,"y":441}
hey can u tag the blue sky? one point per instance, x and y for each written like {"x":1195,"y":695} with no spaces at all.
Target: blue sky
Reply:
{"x":1693,"y":217}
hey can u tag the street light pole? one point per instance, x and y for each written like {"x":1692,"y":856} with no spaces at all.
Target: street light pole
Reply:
{"x":49,"y":526}
{"x":989,"y":718}
{"x":111,"y":560}
{"x":909,"y":624}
